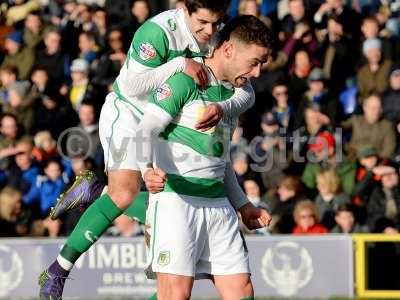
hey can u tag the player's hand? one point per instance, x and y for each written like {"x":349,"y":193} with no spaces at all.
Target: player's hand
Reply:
{"x":196,"y":71}
{"x":254,"y":217}
{"x":211,"y":117}
{"x":155,"y":180}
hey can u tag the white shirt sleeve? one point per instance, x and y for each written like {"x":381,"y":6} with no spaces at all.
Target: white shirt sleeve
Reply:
{"x":141,"y":80}
{"x":242,"y":100}
{"x":154,"y":121}
{"x":235,"y":193}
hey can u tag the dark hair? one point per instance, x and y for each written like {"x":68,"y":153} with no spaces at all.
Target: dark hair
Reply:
{"x":248,"y":29}
{"x":217,"y":6}
{"x":345,"y":207}
{"x":10,"y":115}
{"x":10,"y":69}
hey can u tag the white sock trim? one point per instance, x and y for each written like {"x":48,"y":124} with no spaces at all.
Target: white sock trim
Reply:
{"x":64,"y":263}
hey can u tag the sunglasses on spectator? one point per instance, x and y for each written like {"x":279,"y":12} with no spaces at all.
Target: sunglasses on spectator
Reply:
{"x":308,"y":216}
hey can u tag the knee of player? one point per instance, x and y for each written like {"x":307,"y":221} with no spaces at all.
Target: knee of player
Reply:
{"x":122,"y":197}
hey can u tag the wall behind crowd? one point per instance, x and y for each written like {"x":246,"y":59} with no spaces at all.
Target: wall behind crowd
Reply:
{"x":319,"y":149}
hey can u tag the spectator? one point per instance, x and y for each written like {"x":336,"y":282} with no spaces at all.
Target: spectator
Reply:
{"x":298,"y":78}
{"x":10,"y":213}
{"x":47,"y":188}
{"x":250,"y":7}
{"x":384,"y":203}
{"x":282,"y":108}
{"x":338,"y":9}
{"x":88,"y":48}
{"x":270,"y":152}
{"x":370,"y":30}
{"x":24,"y":171}
{"x":318,"y":95}
{"x":297,"y":15}
{"x":100,"y":26}
{"x":253,"y":192}
{"x":391,"y":98}
{"x":141,"y":10}
{"x":372,"y":77}
{"x":111,"y":62}
{"x":88,"y":144}
{"x":34,"y":30}
{"x":8,"y":76}
{"x":240,"y":165}
{"x":281,"y":204}
{"x":45,"y":146}
{"x":336,"y":54}
{"x":40,"y":81}
{"x":239,"y":144}
{"x":10,"y":133}
{"x":366,"y":180}
{"x":20,"y":106}
{"x":345,"y":221}
{"x":330,"y":197}
{"x":80,"y":88}
{"x":306,"y":217}
{"x":52,"y":59}
{"x":370,"y":129}
{"x":54,"y":113}
{"x":302,"y":39}
{"x":322,"y":156}
{"x":18,"y":55}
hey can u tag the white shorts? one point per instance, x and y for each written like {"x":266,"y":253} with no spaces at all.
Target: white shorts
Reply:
{"x":117,"y":131}
{"x":192,"y":240}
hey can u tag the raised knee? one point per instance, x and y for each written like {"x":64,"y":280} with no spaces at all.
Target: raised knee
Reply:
{"x":122,"y":197}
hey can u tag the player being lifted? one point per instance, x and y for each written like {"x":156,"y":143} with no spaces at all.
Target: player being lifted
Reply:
{"x":194,"y":229}
{"x":160,"y":48}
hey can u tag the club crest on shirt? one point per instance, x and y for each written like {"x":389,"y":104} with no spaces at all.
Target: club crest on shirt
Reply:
{"x":163,"y":92}
{"x":172,"y":24}
{"x":163,"y":258}
{"x":147,"y":51}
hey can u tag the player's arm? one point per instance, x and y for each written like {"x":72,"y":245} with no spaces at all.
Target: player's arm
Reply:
{"x":147,"y":62}
{"x":242,"y":100}
{"x":164,"y":105}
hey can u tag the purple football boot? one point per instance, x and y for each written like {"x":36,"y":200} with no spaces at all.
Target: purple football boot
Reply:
{"x":81,"y":194}
{"x":51,"y":282}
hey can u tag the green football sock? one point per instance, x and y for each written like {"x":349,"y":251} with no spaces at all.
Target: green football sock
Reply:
{"x":96,"y":219}
{"x":153,"y":297}
{"x":248,"y":298}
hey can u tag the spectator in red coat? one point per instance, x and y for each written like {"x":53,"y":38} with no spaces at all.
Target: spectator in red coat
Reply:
{"x":307,"y":220}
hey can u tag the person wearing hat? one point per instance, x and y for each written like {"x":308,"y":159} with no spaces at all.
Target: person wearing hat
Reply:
{"x":367,"y":160}
{"x":318,"y":94}
{"x":391,"y":98}
{"x":17,"y":55}
{"x":372,"y":77}
{"x":321,"y":155}
{"x":80,"y":87}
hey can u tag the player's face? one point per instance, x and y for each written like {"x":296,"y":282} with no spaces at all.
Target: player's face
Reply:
{"x":203,"y":24}
{"x":245,"y":62}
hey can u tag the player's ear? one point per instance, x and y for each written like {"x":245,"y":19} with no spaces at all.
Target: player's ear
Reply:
{"x":227,"y":48}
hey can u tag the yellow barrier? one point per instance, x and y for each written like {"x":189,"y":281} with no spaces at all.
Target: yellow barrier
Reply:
{"x":360,"y":265}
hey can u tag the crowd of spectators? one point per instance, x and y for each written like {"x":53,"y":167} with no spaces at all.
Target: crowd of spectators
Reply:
{"x":319,"y":150}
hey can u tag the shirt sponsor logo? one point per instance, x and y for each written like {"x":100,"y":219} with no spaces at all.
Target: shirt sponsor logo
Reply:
{"x":163,"y":92}
{"x":147,"y":51}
